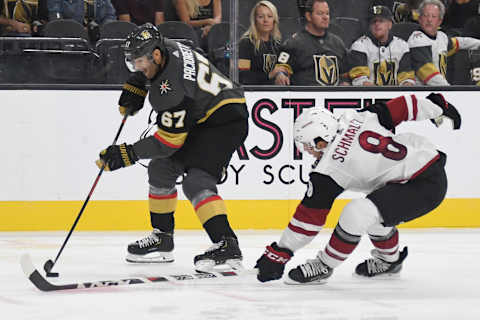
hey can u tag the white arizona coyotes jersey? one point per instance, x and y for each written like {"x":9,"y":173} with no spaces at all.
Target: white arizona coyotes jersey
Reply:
{"x":429,"y":55}
{"x":366,"y":156}
{"x":380,"y":64}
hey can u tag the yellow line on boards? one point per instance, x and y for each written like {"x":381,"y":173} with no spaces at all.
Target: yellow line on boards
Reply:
{"x":243,"y":214}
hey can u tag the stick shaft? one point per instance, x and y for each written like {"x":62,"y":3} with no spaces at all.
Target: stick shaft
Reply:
{"x":89,"y":194}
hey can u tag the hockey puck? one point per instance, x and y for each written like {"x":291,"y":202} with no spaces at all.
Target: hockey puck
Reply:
{"x":48,"y":267}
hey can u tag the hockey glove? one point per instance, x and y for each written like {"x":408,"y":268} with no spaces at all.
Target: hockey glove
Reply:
{"x":272,"y":263}
{"x":448,"y":109}
{"x":116,"y":157}
{"x":133,"y":94}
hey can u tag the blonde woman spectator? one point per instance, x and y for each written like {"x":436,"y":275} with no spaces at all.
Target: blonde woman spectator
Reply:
{"x":259,"y":46}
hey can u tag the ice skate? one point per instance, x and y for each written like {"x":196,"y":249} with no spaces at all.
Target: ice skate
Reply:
{"x":225,"y":253}
{"x":157,"y":247}
{"x":314,"y":271}
{"x":379,"y":268}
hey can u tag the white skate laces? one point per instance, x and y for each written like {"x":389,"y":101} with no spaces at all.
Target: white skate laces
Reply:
{"x":313,"y":268}
{"x":151,"y":239}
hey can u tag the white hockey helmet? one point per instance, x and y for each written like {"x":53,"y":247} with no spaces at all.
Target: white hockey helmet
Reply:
{"x":313,"y":124}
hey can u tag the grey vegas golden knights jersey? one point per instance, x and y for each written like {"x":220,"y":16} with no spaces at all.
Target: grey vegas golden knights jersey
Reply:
{"x":429,"y":55}
{"x":313,"y":60}
{"x":381,"y":64}
{"x":188,"y":92}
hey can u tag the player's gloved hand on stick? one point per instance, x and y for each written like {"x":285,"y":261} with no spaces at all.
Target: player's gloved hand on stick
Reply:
{"x":133,"y":94}
{"x":116,"y":157}
{"x":449,"y":110}
{"x":272,"y":263}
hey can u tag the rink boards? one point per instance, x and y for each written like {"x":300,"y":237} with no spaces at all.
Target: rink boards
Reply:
{"x":51,"y":140}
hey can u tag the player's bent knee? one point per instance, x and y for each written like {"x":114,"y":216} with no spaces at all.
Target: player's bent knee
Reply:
{"x":358,"y":216}
{"x":198,"y":182}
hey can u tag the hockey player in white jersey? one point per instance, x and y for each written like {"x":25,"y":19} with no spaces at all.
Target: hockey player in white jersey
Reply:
{"x":402,"y":176}
{"x":430,"y":48}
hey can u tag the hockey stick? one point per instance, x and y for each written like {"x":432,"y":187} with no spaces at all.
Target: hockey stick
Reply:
{"x":44,"y":285}
{"x":49,"y":263}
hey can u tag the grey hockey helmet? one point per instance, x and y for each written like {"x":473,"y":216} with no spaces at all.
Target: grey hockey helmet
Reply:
{"x":313,"y":124}
{"x":142,"y":42}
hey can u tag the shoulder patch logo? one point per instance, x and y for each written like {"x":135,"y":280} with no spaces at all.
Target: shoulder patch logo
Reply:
{"x":165,"y":87}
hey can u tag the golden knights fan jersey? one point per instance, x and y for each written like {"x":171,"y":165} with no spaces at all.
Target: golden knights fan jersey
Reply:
{"x":429,"y":55}
{"x":313,"y":60}
{"x":188,"y":92}
{"x":255,"y":65}
{"x":365,"y":156}
{"x":387,"y":64}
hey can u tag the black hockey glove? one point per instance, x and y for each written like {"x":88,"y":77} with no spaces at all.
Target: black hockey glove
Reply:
{"x":116,"y":157}
{"x":383,"y":114}
{"x":133,"y":94}
{"x":449,"y":111}
{"x":272,"y":263}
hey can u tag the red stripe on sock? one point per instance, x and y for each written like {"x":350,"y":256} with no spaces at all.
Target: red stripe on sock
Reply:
{"x":316,"y":217}
{"x":387,"y":244}
{"x":302,"y":231}
{"x":341,"y":246}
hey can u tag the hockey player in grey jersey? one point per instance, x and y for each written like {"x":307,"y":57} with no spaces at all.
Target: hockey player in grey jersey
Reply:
{"x":202,"y":119}
{"x":402,"y":176}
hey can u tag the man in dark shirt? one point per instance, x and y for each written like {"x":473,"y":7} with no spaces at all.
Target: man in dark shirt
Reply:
{"x":140,"y":11}
{"x":312,"y":56}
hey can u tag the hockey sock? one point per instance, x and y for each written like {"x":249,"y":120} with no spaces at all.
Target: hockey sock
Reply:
{"x":387,"y":245}
{"x":218,"y":227}
{"x":164,"y":222}
{"x":339,"y":247}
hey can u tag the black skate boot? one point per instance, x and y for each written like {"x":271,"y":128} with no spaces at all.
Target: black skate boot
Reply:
{"x":314,"y":271}
{"x":224,"y":252}
{"x":157,"y":247}
{"x":379,"y":268}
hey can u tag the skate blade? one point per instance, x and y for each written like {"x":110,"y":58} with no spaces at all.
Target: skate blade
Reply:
{"x":290,"y":281}
{"x":154,"y":257}
{"x":211,"y":266}
{"x":385,"y":276}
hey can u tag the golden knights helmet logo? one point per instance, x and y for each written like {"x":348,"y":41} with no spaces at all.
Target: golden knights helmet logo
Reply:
{"x":269,"y":61}
{"x":442,"y":64}
{"x":326,"y":70}
{"x":384,"y":73}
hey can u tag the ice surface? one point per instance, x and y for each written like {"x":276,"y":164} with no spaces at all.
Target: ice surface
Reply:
{"x":440,"y":280}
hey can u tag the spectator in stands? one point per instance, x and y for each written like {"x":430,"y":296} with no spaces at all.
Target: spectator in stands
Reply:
{"x":84,"y":12}
{"x":430,"y":47}
{"x":458,"y":12}
{"x":32,"y":12}
{"x":140,"y":12}
{"x":312,"y":56}
{"x":406,"y":11}
{"x":201,"y":15}
{"x":259,"y":45}
{"x":10,"y":26}
{"x":379,"y":58}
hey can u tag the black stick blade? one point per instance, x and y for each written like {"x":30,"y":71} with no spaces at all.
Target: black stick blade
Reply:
{"x":48,"y":267}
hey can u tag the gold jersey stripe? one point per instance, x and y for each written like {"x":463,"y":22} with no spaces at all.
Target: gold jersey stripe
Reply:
{"x":359,"y":71}
{"x":220,"y":104}
{"x":209,"y":208}
{"x":427,"y":71}
{"x":286,"y":66}
{"x":244,"y":64}
{"x":402,"y":76}
{"x":455,"y":47}
{"x":173,"y":140}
